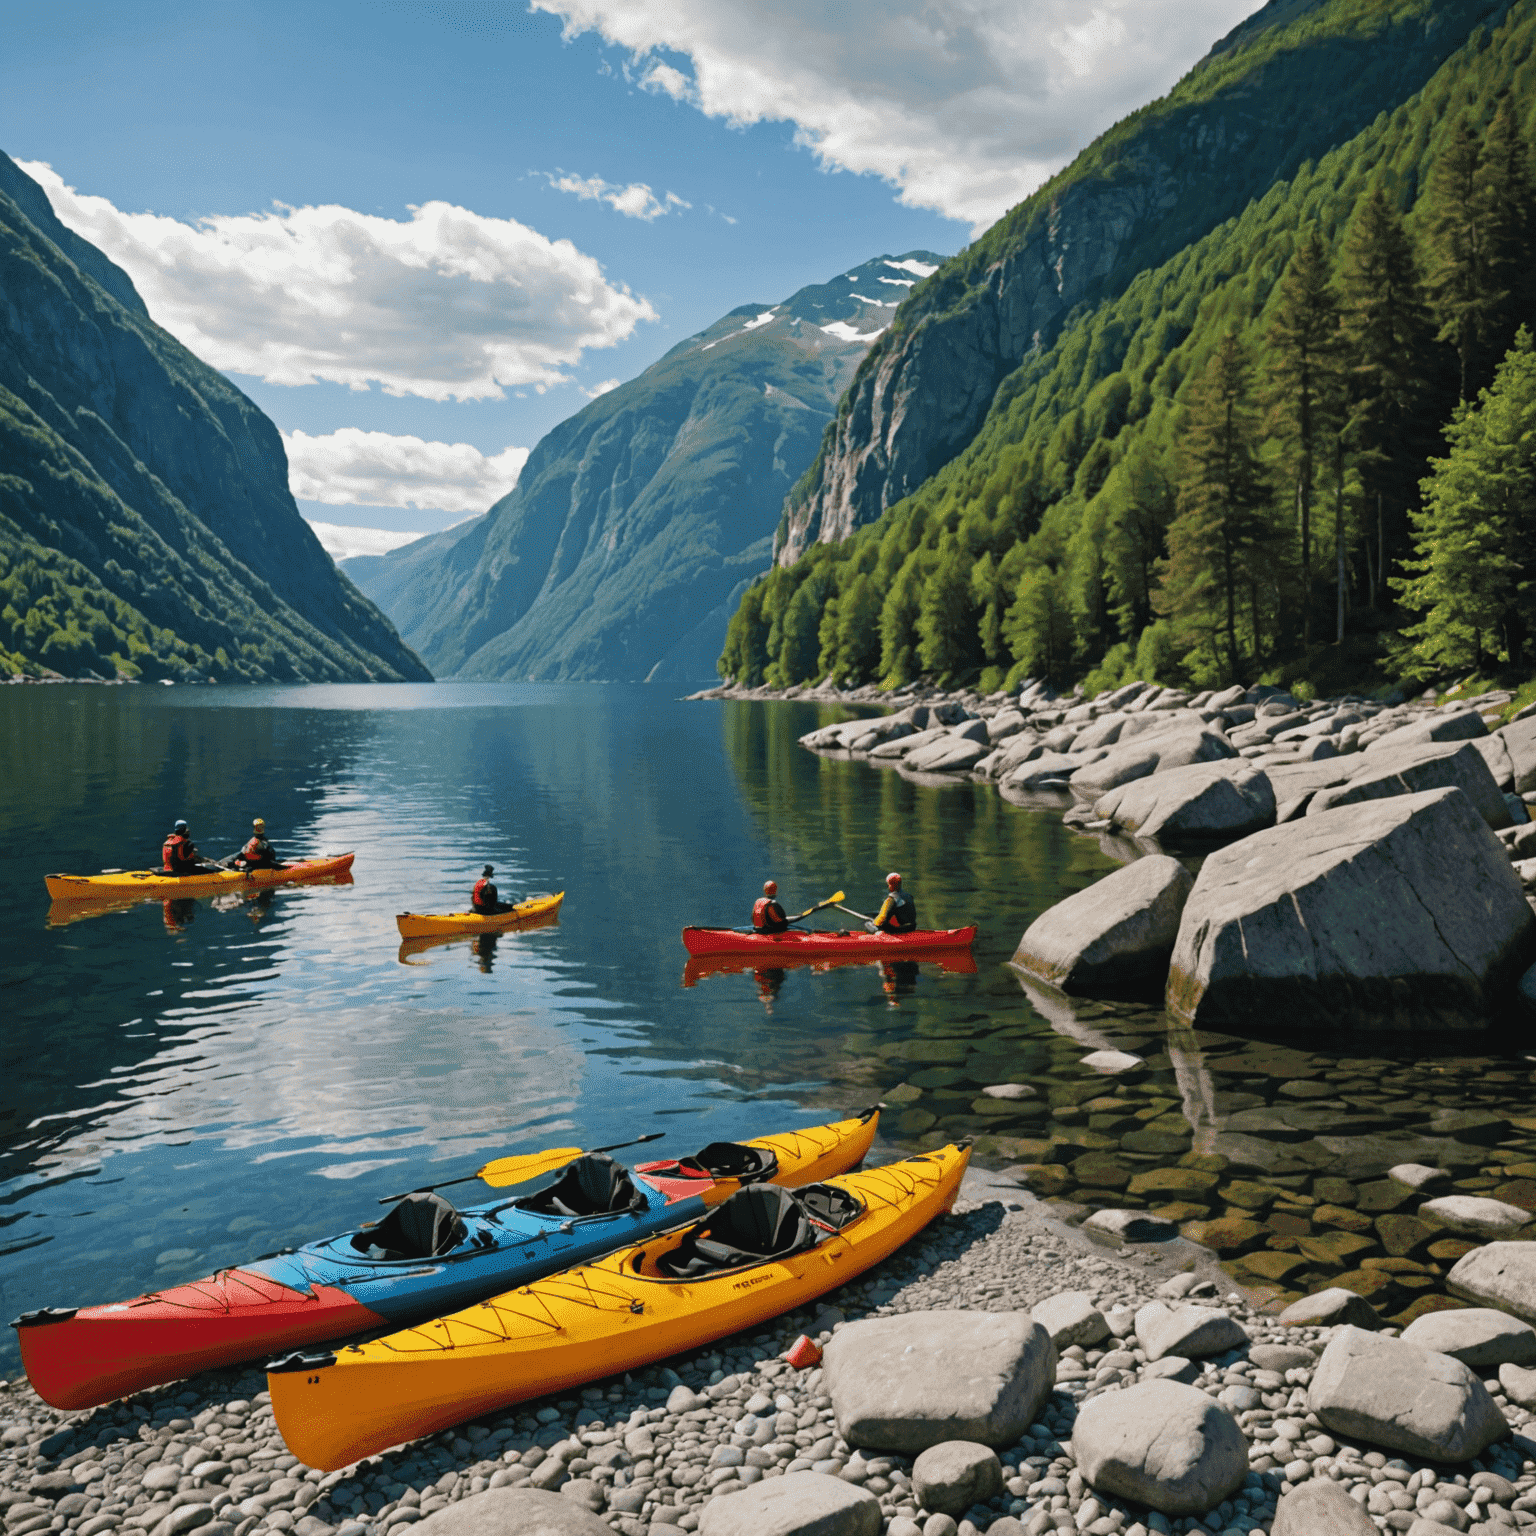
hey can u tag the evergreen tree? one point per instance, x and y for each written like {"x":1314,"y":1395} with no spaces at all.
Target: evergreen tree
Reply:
{"x":898,"y":626}
{"x":745,"y":657}
{"x":948,"y":641}
{"x":1476,"y":533}
{"x":1460,"y":282}
{"x":1389,"y":357}
{"x":858,"y":630}
{"x":1038,"y":625}
{"x":1141,"y":507}
{"x":1508,"y":198}
{"x":1303,"y":393}
{"x":1222,"y":500}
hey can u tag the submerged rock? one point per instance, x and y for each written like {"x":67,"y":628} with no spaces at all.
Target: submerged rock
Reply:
{"x":1398,"y":913}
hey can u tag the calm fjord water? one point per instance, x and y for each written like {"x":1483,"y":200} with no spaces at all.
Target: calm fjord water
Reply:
{"x":178,"y":1098}
{"x":183,"y":1094}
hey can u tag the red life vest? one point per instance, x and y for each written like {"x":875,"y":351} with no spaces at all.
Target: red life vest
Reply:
{"x":177,"y":853}
{"x":478,"y":898}
{"x":767,"y":915}
{"x":252,"y":851}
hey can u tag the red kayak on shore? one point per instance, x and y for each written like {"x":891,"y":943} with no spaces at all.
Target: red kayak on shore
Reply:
{"x":810,"y":945}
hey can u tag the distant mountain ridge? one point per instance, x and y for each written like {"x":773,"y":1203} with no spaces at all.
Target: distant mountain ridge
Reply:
{"x":146,"y":526}
{"x":636,"y":523}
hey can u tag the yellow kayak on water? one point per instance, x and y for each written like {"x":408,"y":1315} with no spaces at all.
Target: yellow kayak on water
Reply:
{"x":156,"y":885}
{"x":763,"y":1252}
{"x":427,"y":925}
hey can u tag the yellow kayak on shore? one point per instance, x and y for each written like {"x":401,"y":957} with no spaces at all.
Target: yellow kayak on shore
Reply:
{"x":426,"y":925}
{"x":156,"y":885}
{"x":763,"y":1252}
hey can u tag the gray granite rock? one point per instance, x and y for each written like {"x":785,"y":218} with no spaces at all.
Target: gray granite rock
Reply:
{"x":907,"y":1382}
{"x":514,"y":1512}
{"x":797,"y":1504}
{"x":1321,"y":1508}
{"x":1403,"y":1398}
{"x":1115,"y":1228}
{"x":1167,"y":1446}
{"x":1478,"y":1336}
{"x":1193,"y":804}
{"x":1519,"y":1385}
{"x":1071,"y":1318}
{"x":1475,"y":1215}
{"x":1119,"y":931}
{"x":1520,"y":742}
{"x":953,"y":1475}
{"x":1400,"y":913}
{"x":1194,"y":1332}
{"x":1407,"y":770}
{"x":1155,"y":752}
{"x":1442,"y":725}
{"x":1501,"y":1275}
{"x":1282,"y":1357}
{"x":1325,"y":1309}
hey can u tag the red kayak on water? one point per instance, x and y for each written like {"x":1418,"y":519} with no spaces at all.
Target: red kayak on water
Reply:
{"x":810,"y":945}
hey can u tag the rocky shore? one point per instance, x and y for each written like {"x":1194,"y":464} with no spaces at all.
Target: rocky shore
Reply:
{"x":1003,"y":1373}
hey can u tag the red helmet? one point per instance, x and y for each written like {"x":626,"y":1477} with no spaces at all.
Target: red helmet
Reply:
{"x":770,"y":887}
{"x":893,"y":879}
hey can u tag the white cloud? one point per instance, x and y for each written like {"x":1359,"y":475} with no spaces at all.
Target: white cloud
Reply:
{"x":447,"y":305}
{"x":635,"y":201}
{"x":965,"y":105}
{"x":342,"y":543}
{"x":602,"y":389}
{"x":374,"y":469}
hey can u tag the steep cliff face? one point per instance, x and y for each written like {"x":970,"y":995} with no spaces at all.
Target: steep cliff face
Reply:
{"x":1296,"y":79}
{"x":636,"y":523}
{"x":146,"y":527}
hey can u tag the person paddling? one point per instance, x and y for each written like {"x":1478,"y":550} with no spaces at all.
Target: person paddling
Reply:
{"x":180,"y":854}
{"x":258,"y":853}
{"x":898,"y":912}
{"x":767,"y":915}
{"x":486,"y":899}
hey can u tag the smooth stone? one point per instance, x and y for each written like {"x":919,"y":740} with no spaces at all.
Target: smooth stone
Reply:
{"x":1282,"y":1357}
{"x":1193,"y":1332}
{"x":1403,"y":1398}
{"x":1474,"y":1216}
{"x":1011,"y":1091}
{"x":186,"y":1517}
{"x":953,"y":1475}
{"x":1417,"y":1175}
{"x":1413,"y":769}
{"x":1320,"y":1507}
{"x":1479,"y":1336}
{"x":1071,"y":1318}
{"x":904,"y":1383}
{"x":1192,"y":804}
{"x":1161,"y":1444}
{"x":683,"y":1400}
{"x":797,"y":1504}
{"x":1501,"y":1275}
{"x":1325,"y":1309}
{"x":1442,"y":725}
{"x":1117,"y":1227}
{"x":1519,"y":1385}
{"x":1112,"y":1061}
{"x":1400,"y":913}
{"x":1118,"y":931}
{"x":1156,"y":752}
{"x":515,"y":1512}
{"x":1170,"y":1368}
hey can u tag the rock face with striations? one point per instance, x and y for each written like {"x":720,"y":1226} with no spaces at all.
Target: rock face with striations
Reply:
{"x":1397,"y":913}
{"x":147,"y":495}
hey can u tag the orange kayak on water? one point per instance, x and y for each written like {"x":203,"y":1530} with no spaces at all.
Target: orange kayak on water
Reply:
{"x":156,"y":885}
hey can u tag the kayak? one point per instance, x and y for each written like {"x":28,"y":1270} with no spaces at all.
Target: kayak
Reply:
{"x":955,"y":962}
{"x":422,"y":1259}
{"x":818,"y":942}
{"x":423,"y":925}
{"x":759,"y":1254}
{"x":62,"y":913}
{"x":156,"y":885}
{"x":482,"y":944}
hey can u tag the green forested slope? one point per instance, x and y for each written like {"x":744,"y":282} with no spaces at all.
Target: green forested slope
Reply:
{"x":1045,"y":543}
{"x":146,"y":527}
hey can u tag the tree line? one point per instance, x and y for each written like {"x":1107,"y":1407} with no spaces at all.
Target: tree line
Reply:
{"x":1347,"y":450}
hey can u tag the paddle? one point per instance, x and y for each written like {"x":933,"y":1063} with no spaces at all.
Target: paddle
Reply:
{"x":519,"y":1169}
{"x":831,"y":901}
{"x":861,"y":917}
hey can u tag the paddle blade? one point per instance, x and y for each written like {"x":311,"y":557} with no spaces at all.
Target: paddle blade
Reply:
{"x":836,"y":897}
{"x":518,"y":1170}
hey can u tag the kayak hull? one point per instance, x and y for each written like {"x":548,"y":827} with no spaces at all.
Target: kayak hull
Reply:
{"x":330,"y":1290}
{"x":424,"y":925}
{"x":953,"y":962}
{"x":153,"y":885}
{"x":584,"y":1324}
{"x":814,"y":944}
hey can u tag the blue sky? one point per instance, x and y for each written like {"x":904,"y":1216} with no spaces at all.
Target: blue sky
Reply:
{"x":795,"y":139}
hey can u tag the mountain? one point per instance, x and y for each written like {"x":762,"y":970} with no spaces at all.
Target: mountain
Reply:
{"x":146,"y":527}
{"x":1297,"y":79}
{"x":636,"y":523}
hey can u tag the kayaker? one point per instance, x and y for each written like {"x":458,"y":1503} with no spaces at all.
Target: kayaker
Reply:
{"x":181,"y":856}
{"x":898,"y":912}
{"x":767,"y":915}
{"x":258,"y":853}
{"x":486,"y":899}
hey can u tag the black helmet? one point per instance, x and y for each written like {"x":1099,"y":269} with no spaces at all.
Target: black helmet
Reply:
{"x":180,"y":826}
{"x":488,"y":870}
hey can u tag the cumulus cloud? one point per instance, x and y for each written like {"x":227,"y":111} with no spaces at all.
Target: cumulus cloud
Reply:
{"x":345,"y":543}
{"x":635,"y":201}
{"x":965,"y":105}
{"x":375,"y":469}
{"x":602,"y":388}
{"x":448,"y":305}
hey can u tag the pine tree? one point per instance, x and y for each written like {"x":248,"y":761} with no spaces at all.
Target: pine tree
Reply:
{"x":745,"y":657}
{"x":1303,"y":393}
{"x":1222,"y":501}
{"x":1475,"y":576}
{"x":1508,"y":198}
{"x":1389,"y":360}
{"x":898,"y":625}
{"x":948,"y":641}
{"x":1038,"y":625}
{"x":1460,"y":282}
{"x":858,"y":630}
{"x":1141,"y":508}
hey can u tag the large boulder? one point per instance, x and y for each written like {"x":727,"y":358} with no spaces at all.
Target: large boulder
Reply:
{"x":516,"y":1512}
{"x":797,"y":1504}
{"x":1410,"y":769}
{"x":1193,"y":1332}
{"x":1520,"y":743}
{"x":1161,"y":1444}
{"x":1049,"y":769}
{"x":955,"y":1474}
{"x":1476,"y":1215}
{"x":1191,"y":805}
{"x":1446,"y":725}
{"x":1403,"y":1398}
{"x":900,"y":746}
{"x":1117,"y":932}
{"x":952,"y":752}
{"x":1155,"y":752}
{"x":1501,"y":1275}
{"x":1321,"y":1507}
{"x":1479,"y":1336}
{"x":1400,"y":913}
{"x":905,"y":1383}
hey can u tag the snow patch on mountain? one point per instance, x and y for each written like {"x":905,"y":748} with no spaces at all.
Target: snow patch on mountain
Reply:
{"x":912,"y":264}
{"x":845,"y":332}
